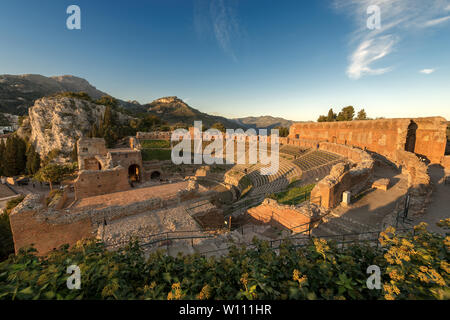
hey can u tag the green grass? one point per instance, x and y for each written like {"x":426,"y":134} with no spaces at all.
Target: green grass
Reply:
{"x":155,"y":144}
{"x":293,"y":195}
{"x":246,"y":185}
{"x":156,"y":154}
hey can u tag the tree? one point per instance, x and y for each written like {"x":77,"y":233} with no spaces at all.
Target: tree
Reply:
{"x":52,"y":173}
{"x":283,"y":132}
{"x":74,"y":154}
{"x":2,"y":156}
{"x":14,"y":156}
{"x":33,"y":160}
{"x":219,"y":126}
{"x":331,"y":116}
{"x":322,"y":119}
{"x":108,"y":101}
{"x":361,"y":115}
{"x":347,"y":114}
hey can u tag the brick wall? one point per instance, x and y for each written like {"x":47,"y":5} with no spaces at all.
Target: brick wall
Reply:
{"x":93,"y":183}
{"x":383,"y":136}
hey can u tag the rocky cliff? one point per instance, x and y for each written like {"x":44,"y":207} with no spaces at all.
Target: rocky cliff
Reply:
{"x":57,"y":122}
{"x":18,"y":92}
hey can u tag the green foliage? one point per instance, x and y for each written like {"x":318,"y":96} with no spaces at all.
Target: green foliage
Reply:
{"x":74,"y":153}
{"x":347,"y":114}
{"x":361,"y":115}
{"x":14,"y":156}
{"x":246,"y":185}
{"x":33,"y":160}
{"x":77,"y":95}
{"x":293,"y":195}
{"x":282,"y":131}
{"x":54,"y":172}
{"x":2,"y":157}
{"x":219,"y":126}
{"x":331,"y":116}
{"x":318,"y":270}
{"x":156,"y":154}
{"x":155,"y":144}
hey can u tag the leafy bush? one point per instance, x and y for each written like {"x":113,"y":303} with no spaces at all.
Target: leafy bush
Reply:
{"x":413,"y":267}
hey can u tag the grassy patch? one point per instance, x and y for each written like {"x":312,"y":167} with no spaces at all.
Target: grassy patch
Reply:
{"x":156,"y":154}
{"x":155,"y":144}
{"x":246,"y":185}
{"x":293,"y":195}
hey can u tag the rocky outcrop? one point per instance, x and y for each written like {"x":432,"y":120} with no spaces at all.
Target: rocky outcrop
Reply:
{"x":57,"y":123}
{"x":18,"y":92}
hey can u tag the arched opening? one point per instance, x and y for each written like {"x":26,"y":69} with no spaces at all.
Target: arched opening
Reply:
{"x":410,"y":144}
{"x":134,"y":173}
{"x":92,"y":164}
{"x":155,"y":175}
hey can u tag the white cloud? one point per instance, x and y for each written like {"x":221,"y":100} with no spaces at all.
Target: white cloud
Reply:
{"x":448,"y":8}
{"x":427,"y":71}
{"x":218,"y":16}
{"x":437,"y":21}
{"x":398,"y":17}
{"x":368,"y":52}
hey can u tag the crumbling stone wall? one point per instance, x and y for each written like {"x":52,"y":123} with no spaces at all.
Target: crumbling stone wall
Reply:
{"x":156,"y":135}
{"x":92,"y":183}
{"x":89,"y":151}
{"x":383,"y":136}
{"x":343,"y":176}
{"x":29,"y":227}
{"x":290,"y":217}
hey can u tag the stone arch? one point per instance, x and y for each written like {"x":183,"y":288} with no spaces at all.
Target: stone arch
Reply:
{"x":92,"y":164}
{"x":134,"y":173}
{"x":410,"y":144}
{"x":155,"y":175}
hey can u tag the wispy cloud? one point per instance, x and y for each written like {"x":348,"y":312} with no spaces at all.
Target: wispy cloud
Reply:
{"x":437,"y":21}
{"x":398,"y":17}
{"x":427,"y":71}
{"x":220,"y":18}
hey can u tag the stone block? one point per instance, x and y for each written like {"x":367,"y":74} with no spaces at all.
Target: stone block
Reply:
{"x":381,"y":184}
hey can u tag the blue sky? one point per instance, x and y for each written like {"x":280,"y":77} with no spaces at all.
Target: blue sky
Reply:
{"x":293,"y":59}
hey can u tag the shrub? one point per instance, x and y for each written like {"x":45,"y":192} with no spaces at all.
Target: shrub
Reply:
{"x":414,"y":266}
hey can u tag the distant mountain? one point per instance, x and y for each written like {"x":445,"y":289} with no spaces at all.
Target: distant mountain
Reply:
{"x":174,"y":110}
{"x":263,"y":122}
{"x":18,"y":92}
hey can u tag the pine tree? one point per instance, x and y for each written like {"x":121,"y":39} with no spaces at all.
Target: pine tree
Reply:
{"x":2,"y":155}
{"x":74,"y":154}
{"x":361,"y":115}
{"x":331,"y":116}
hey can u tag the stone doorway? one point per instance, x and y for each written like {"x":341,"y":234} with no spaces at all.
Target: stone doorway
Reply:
{"x":134,"y":173}
{"x":410,"y":144}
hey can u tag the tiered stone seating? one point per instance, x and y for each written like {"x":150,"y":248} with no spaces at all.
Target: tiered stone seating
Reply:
{"x":265,"y":184}
{"x":292,"y":150}
{"x":315,"y":159}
